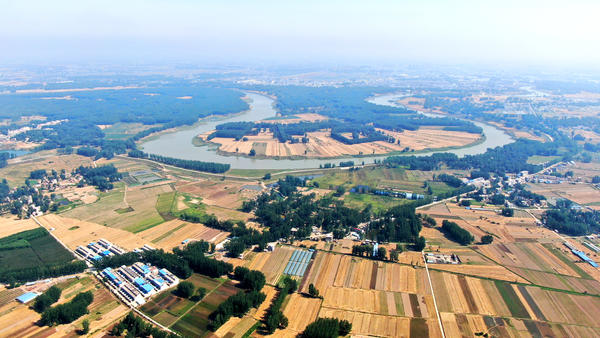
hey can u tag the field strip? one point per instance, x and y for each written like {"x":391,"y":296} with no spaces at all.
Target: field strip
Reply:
{"x":437,"y":312}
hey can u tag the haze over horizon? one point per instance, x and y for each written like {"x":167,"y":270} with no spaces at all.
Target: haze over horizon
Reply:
{"x":376,"y":32}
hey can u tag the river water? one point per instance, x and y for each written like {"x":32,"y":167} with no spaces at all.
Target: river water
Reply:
{"x":179,"y":144}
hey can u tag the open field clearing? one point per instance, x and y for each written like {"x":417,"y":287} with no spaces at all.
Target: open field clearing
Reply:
{"x":86,"y":194}
{"x":133,"y":210}
{"x":123,"y":131}
{"x":19,"y":320}
{"x":217,"y":193}
{"x":533,"y":256}
{"x":352,"y":272}
{"x":9,"y":226}
{"x":74,"y":232}
{"x":301,"y":311}
{"x":584,"y":194}
{"x":20,"y":167}
{"x":172,"y":233}
{"x":223,"y":213}
{"x":321,"y":145}
{"x":271,"y":264}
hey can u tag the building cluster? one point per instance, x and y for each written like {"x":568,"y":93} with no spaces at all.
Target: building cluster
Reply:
{"x":364,"y":189}
{"x":436,"y":258}
{"x":139,"y":281}
{"x":94,"y":251}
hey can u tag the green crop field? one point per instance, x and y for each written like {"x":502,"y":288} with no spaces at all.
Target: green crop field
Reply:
{"x":31,"y":249}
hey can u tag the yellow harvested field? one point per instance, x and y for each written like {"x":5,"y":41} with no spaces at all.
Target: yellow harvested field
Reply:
{"x":377,"y":325}
{"x":74,"y":232}
{"x":172,"y":233}
{"x":235,"y":327}
{"x":432,"y":138}
{"x":486,"y":271}
{"x":379,"y":302}
{"x":353,"y":272}
{"x":270,"y":293}
{"x":19,"y":321}
{"x":301,"y":311}
{"x":271,"y":263}
{"x":10,"y":226}
{"x":321,"y":145}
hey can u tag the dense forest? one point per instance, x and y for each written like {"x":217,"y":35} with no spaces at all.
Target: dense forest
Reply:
{"x":166,"y":105}
{"x":101,"y":177}
{"x":327,"y":328}
{"x":571,"y":221}
{"x":68,"y":312}
{"x":456,"y":233}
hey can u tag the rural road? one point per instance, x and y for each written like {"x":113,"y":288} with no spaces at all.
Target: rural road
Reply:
{"x":437,"y":312}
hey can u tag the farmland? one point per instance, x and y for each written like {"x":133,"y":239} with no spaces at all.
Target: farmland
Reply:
{"x":20,"y":320}
{"x":172,"y":233}
{"x":322,"y":145}
{"x":74,"y":232}
{"x":30,"y":250}
{"x":185,"y":316}
{"x":526,"y":275}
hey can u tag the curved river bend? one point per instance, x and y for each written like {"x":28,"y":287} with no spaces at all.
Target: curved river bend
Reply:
{"x":178,"y":144}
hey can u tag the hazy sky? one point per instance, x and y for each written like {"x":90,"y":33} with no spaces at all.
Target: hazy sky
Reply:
{"x":368,"y":31}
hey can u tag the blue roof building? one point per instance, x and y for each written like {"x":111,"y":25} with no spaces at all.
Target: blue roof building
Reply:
{"x":27,"y":297}
{"x":158,"y":282}
{"x":139,"y":282}
{"x":146,"y":288}
{"x":584,"y":257}
{"x":96,"y":258}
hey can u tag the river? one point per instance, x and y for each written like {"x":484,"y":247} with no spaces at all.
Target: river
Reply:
{"x":179,"y":144}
